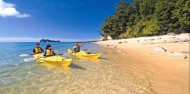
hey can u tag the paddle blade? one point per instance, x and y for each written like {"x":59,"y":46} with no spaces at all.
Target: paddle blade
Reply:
{"x":23,"y":55}
{"x":66,"y":55}
{"x":85,"y":49}
{"x":29,"y":59}
{"x":56,"y":51}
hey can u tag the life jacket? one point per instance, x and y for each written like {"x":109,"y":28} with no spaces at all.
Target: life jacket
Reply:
{"x":49,"y":52}
{"x":77,"y":48}
{"x":38,"y":50}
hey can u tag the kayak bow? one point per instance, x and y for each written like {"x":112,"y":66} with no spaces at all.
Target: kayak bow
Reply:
{"x":84,"y":54}
{"x":53,"y":59}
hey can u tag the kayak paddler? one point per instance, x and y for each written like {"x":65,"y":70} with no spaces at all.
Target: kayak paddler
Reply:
{"x":38,"y":49}
{"x":49,"y":51}
{"x":76,"y":48}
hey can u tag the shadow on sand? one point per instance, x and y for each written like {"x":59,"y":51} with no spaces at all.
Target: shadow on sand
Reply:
{"x":103,"y":58}
{"x":75,"y":66}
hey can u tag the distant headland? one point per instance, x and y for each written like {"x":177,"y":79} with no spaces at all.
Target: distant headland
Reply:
{"x":48,"y":40}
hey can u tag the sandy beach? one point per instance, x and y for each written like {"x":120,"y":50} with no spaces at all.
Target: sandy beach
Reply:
{"x":166,"y":57}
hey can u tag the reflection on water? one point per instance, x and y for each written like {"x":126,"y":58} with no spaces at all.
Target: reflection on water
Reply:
{"x":91,"y":60}
{"x":53,"y":65}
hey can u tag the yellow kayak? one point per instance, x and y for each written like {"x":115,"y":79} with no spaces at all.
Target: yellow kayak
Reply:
{"x":53,"y":59}
{"x":84,"y":54}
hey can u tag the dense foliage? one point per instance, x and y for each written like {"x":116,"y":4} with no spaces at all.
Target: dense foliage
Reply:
{"x":148,"y":17}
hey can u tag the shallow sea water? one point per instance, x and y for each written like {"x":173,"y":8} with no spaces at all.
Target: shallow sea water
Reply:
{"x":113,"y":73}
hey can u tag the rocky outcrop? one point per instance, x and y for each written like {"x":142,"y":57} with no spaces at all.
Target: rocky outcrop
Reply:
{"x":47,"y":40}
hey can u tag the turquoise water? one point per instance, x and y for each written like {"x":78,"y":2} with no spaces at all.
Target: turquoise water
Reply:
{"x":13,"y":68}
{"x":113,"y":73}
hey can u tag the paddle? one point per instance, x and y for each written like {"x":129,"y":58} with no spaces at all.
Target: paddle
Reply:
{"x":33,"y":59}
{"x":56,"y":50}
{"x":85,"y":50}
{"x":23,"y":55}
{"x":30,"y":59}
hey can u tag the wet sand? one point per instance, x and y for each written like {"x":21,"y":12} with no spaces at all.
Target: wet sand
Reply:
{"x":168,"y":74}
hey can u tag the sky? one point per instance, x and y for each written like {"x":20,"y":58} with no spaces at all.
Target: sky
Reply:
{"x":65,"y":20}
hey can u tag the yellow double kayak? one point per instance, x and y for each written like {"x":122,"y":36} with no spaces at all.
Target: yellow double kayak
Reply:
{"x":53,"y":59}
{"x":84,"y":54}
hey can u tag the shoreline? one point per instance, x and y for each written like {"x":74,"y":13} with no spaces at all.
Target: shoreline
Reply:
{"x":167,"y":58}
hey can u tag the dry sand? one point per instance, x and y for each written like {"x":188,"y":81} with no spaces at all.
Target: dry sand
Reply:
{"x":170,"y":69}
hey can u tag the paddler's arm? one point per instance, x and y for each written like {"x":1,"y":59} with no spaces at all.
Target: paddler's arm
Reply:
{"x":45,"y":53}
{"x":81,"y":44}
{"x":42,"y":50}
{"x":34,"y":52}
{"x":73,"y":50}
{"x":54,"y":53}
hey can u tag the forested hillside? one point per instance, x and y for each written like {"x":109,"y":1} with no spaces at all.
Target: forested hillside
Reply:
{"x":147,"y":17}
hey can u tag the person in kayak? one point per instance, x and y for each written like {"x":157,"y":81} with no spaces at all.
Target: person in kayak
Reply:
{"x":49,"y":51}
{"x":38,"y":49}
{"x":76,"y":48}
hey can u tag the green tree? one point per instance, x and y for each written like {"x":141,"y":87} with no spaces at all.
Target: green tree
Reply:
{"x":148,"y":17}
{"x":151,"y":28}
{"x":146,"y":9}
{"x":182,"y":14}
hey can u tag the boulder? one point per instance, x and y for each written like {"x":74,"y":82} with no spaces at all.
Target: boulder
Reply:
{"x":160,"y":49}
{"x":171,"y":34}
{"x":125,"y":42}
{"x":119,"y":42}
{"x":107,"y":45}
{"x":159,"y":38}
{"x":178,"y":54}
